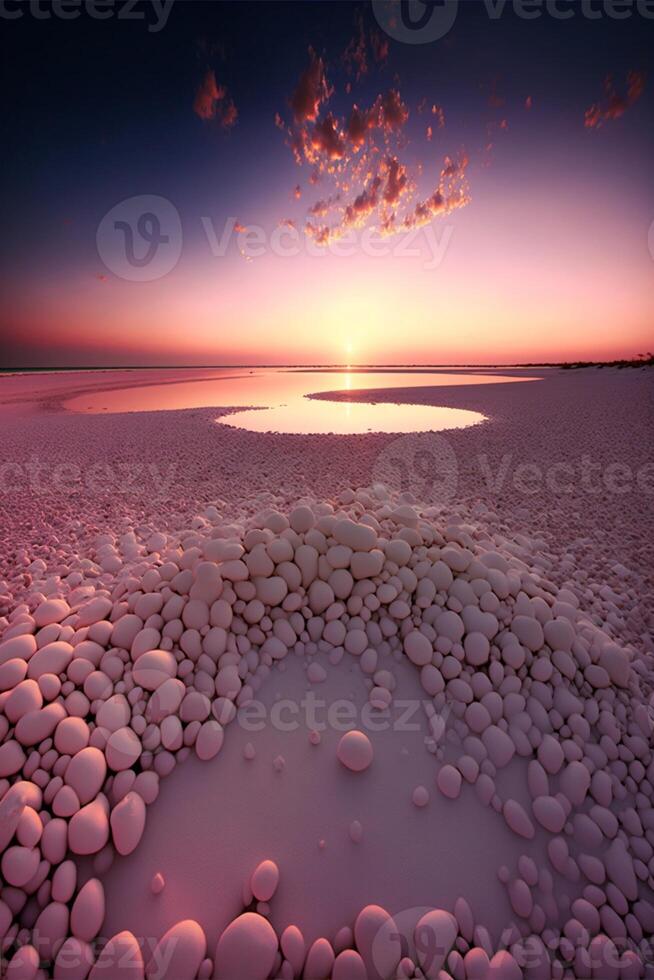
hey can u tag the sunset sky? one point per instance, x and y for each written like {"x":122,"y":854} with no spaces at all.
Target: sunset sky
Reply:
{"x":511,"y":159}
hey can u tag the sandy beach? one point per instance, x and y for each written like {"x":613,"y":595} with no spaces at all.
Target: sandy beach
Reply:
{"x":435,"y":647}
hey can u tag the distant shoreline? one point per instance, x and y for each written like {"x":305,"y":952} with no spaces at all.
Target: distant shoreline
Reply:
{"x":644,"y":361}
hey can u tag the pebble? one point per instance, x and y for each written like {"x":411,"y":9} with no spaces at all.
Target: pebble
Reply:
{"x":246,"y":950}
{"x":354,"y":751}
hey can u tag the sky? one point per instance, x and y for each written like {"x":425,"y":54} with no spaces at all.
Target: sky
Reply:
{"x":203,"y":183}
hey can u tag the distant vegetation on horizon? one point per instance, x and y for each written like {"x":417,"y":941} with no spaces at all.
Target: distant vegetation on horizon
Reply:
{"x":641,"y":360}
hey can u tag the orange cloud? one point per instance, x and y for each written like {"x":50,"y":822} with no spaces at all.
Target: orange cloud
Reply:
{"x":312,"y":90}
{"x":615,"y":104}
{"x":212,"y":101}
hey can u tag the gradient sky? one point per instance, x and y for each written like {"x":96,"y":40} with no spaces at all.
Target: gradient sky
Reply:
{"x":544,"y":250}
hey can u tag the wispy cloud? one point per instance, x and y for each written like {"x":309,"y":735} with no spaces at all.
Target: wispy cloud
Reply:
{"x":615,"y":104}
{"x":212,"y":101}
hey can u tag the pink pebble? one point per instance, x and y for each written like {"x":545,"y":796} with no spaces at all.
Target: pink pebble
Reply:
{"x":123,"y":749}
{"x":128,"y":823}
{"x":179,"y":953}
{"x":87,"y":913}
{"x":121,"y":957}
{"x":158,"y":883}
{"x":88,"y":830}
{"x":420,"y":796}
{"x":449,"y":782}
{"x":246,"y":950}
{"x":86,"y":773}
{"x":264,"y":881}
{"x":153,"y":668}
{"x":354,"y":751}
{"x":348,"y":965}
{"x":53,"y":658}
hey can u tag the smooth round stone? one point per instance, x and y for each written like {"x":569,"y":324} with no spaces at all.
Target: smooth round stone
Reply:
{"x":19,"y":865}
{"x":246,"y":950}
{"x":264,"y":881}
{"x":420,"y":796}
{"x":301,"y":519}
{"x":114,"y":713}
{"x":74,"y":960}
{"x":477,"y":717}
{"x":157,"y":883}
{"x":128,"y":823}
{"x":179,"y":953}
{"x":94,"y":610}
{"x":123,"y":749}
{"x":499,"y":746}
{"x":51,"y":928}
{"x":121,"y":957}
{"x":53,"y":658}
{"x":209,"y":740}
{"x":17,"y":648}
{"x":85,"y":773}
{"x":418,"y":648}
{"x":153,"y":668}
{"x":293,"y":947}
{"x":518,"y":820}
{"x":477,"y":649}
{"x":549,"y":813}
{"x":378,"y":942}
{"x":12,"y":758}
{"x":434,"y":937}
{"x":450,"y":625}
{"x":87,"y":913}
{"x":358,"y":537}
{"x":529,"y":632}
{"x":320,"y":960}
{"x":88,"y":830}
{"x":356,"y":832}
{"x":348,"y":965}
{"x":51,"y":611}
{"x":12,"y":672}
{"x":24,"y":964}
{"x":503,"y":966}
{"x":448,"y":781}
{"x":354,"y":751}
{"x":71,"y":736}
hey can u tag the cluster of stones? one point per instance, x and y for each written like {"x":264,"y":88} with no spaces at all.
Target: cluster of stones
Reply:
{"x":109,"y":679}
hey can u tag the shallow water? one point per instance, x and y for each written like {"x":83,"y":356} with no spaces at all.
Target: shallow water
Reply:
{"x":279,"y":400}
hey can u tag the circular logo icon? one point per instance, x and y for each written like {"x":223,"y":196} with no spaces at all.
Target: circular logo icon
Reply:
{"x":421,"y":463}
{"x":140,"y":239}
{"x":416,"y":21}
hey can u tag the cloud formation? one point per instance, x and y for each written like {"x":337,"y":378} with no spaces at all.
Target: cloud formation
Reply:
{"x":361,"y":155}
{"x":614,"y":103}
{"x":213,"y":102}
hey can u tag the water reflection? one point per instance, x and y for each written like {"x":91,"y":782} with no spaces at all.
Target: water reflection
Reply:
{"x":279,"y":397}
